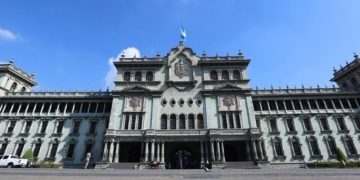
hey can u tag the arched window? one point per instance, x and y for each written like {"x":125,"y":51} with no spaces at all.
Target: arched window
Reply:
{"x":182,"y":121}
{"x":138,"y":76}
{"x":164,"y":121}
{"x":200,"y":119}
{"x":236,"y":75}
{"x":191,"y":120}
{"x":23,"y":89}
{"x":37,"y":147}
{"x":127,"y":76}
{"x":13,"y":87}
{"x":149,"y":76}
{"x":20,"y":147}
{"x":54,"y":147}
{"x":173,"y":121}
{"x":213,"y":75}
{"x":225,"y":75}
{"x":4,"y":145}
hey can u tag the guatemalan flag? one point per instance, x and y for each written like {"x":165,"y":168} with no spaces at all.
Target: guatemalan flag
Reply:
{"x":183,"y":33}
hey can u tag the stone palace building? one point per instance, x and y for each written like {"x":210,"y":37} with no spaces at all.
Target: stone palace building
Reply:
{"x":182,"y":110}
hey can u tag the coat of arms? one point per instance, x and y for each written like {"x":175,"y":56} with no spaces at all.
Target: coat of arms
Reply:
{"x":134,"y":102}
{"x":228,"y":101}
{"x":181,"y":68}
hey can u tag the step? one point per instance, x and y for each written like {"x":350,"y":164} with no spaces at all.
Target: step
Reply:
{"x":125,"y":165}
{"x":241,"y":165}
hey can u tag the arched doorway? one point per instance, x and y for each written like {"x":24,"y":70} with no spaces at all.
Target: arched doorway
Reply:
{"x":182,"y":155}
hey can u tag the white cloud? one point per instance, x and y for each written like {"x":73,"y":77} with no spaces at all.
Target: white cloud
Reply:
{"x":129,"y":52}
{"x":8,"y":35}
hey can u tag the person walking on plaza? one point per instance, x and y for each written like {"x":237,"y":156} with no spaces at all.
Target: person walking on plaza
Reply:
{"x":87,"y":160}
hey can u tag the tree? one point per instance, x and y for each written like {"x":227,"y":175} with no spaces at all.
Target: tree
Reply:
{"x":28,"y":154}
{"x":340,"y":156}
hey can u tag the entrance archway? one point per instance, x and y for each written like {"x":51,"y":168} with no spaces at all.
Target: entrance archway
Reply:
{"x":182,"y":159}
{"x":181,"y":155}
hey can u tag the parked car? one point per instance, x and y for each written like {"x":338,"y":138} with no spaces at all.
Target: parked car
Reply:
{"x":10,"y":161}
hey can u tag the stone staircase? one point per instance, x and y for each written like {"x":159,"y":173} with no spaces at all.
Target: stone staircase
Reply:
{"x":241,"y":165}
{"x":123,"y":165}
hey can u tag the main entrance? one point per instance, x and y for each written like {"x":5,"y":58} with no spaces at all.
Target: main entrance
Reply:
{"x":182,"y":155}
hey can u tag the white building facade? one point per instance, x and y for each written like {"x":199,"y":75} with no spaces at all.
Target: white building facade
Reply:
{"x":182,"y":110}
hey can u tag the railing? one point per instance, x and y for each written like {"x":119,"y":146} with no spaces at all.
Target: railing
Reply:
{"x":303,"y":90}
{"x":18,"y":70}
{"x":59,"y":93}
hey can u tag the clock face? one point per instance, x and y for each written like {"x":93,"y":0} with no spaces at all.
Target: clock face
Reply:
{"x":181,"y":68}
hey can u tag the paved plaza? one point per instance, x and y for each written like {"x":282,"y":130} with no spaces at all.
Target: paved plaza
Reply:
{"x":253,"y":174}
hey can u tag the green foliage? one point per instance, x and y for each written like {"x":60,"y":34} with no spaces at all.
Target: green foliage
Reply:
{"x":28,"y":154}
{"x":349,"y":164}
{"x":340,"y":155}
{"x":46,"y":164}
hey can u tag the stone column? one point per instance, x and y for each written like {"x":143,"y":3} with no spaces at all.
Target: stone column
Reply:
{"x":222,"y":151}
{"x":146,"y":151}
{"x":130,"y":121}
{"x":227,"y":120}
{"x":111,"y":151}
{"x":136,"y":122}
{"x":168,"y":121}
{"x":162,"y":152}
{"x":196,"y":122}
{"x":158,"y":152}
{"x":260,"y":150}
{"x":117,"y":150}
{"x":186,"y":122}
{"x":234,"y":120}
{"x":254,"y":150}
{"x":104,"y":152}
{"x":212,"y":151}
{"x":152,"y":150}
{"x":206,"y":151}
{"x":202,"y":151}
{"x":218,"y":150}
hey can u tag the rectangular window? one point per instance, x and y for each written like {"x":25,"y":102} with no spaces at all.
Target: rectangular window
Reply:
{"x":59,"y":127}
{"x":273,"y":125}
{"x":108,"y":108}
{"x":314,"y":147}
{"x":38,"y":107}
{"x":140,"y":121}
{"x":297,"y":148}
{"x":357,"y":123}
{"x":92,"y":107}
{"x":231,"y":120}
{"x":77,"y":107}
{"x":304,"y":104}
{"x":332,"y":147}
{"x":11,"y":127}
{"x":3,"y":148}
{"x":278,"y":148}
{"x":307,"y":124}
{"x":61,"y":108}
{"x":341,"y":123}
{"x":272,"y":105}
{"x":350,"y":146}
{"x":345,"y":103}
{"x":54,"y":107}
{"x":337,"y":103}
{"x":264,"y":105}
{"x":85,"y":107}
{"x":43,"y":127}
{"x":237,"y":117}
{"x":27,"y":126}
{"x":76,"y":127}
{"x":46,"y":108}
{"x":256,"y":105}
{"x":324,"y":124}
{"x":31,"y":107}
{"x":15,"y":108}
{"x":320,"y":103}
{"x":19,"y":149}
{"x":7,"y":108}
{"x":100,"y":108}
{"x":288,"y":105}
{"x":280,"y":105}
{"x":328,"y":103}
{"x":133,"y":121}
{"x":224,"y":122}
{"x":53,"y":150}
{"x":37,"y":149}
{"x":23,"y":107}
{"x":290,"y":125}
{"x":92,"y":127}
{"x":312,"y":104}
{"x":353,"y":103}
{"x":297,"y":104}
{"x":70,"y":151}
{"x":126,"y":121}
{"x":69,"y":107}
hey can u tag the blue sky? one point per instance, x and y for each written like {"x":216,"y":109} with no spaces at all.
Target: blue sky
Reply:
{"x":68,"y":43}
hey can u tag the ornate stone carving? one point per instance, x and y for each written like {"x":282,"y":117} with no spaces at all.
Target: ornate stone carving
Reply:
{"x":228,"y":101}
{"x":135,"y":102}
{"x":181,"y":68}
